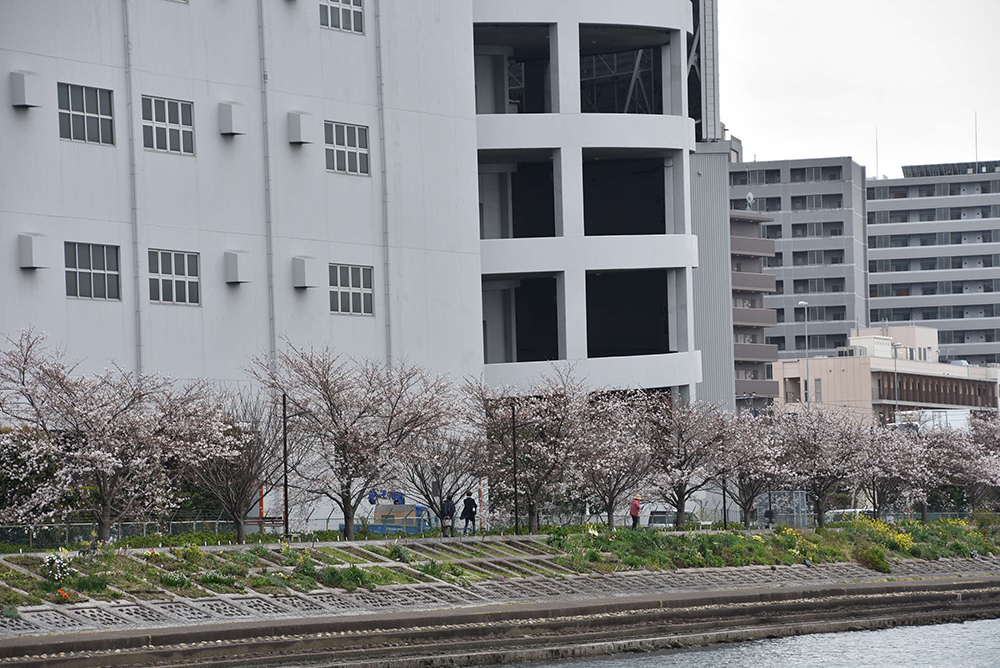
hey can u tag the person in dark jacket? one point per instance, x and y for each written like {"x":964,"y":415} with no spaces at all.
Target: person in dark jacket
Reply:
{"x":448,"y":517}
{"x":469,"y":513}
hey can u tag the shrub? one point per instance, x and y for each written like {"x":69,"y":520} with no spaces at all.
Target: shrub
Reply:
{"x":91,"y":583}
{"x":431,"y":568}
{"x":56,"y":568}
{"x":10,"y":612}
{"x":872,"y":557}
{"x":306,"y":567}
{"x":234,"y":569}
{"x":177,"y":580}
{"x":217,"y":579}
{"x":400,"y":553}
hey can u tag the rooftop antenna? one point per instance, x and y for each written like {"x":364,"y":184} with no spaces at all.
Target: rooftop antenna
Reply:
{"x":749,"y":201}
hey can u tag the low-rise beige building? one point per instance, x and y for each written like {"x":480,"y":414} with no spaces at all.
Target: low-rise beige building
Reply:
{"x":888,"y":370}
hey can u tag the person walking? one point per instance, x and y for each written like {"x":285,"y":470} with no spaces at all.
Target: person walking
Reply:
{"x":448,"y":517}
{"x":633,"y":510}
{"x":469,"y":513}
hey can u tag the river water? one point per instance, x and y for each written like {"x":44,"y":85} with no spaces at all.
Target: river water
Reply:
{"x":968,"y":645}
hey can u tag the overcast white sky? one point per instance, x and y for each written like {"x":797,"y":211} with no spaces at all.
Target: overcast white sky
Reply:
{"x":813,"y":78}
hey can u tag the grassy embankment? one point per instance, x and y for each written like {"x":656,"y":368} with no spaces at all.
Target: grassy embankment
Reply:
{"x":161,"y":573}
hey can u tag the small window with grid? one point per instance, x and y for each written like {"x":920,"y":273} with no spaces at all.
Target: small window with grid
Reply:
{"x":86,"y":114}
{"x":174,"y":277}
{"x":351,"y":290}
{"x":92,"y":271}
{"x":345,"y":15}
{"x":347,"y":148}
{"x":167,"y":125}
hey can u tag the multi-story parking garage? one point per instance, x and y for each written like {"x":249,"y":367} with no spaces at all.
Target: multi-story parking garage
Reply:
{"x":186,"y":182}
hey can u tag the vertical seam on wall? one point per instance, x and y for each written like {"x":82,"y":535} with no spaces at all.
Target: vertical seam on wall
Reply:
{"x":268,"y":220}
{"x":385,"y":182}
{"x":136,"y":264}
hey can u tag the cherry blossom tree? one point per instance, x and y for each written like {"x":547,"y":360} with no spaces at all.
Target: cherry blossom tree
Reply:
{"x":819,"y":450}
{"x":892,"y":466}
{"x":446,"y":465}
{"x":612,"y":459}
{"x":248,"y":465}
{"x":118,"y":439}
{"x":686,"y":439}
{"x":548,"y":420}
{"x":356,"y":419}
{"x":750,"y":461}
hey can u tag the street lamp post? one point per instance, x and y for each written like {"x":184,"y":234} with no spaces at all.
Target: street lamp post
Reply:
{"x":513,"y":446}
{"x":284,"y":455}
{"x":808,"y":389}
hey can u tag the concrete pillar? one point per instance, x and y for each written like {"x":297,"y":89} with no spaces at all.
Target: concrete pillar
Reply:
{"x":567,"y":167}
{"x":571,"y":295}
{"x":564,"y":55}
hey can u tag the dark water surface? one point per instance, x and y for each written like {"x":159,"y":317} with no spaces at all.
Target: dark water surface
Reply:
{"x":968,"y":645}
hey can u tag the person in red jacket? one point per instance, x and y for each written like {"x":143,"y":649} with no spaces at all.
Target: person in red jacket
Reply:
{"x":633,"y":510}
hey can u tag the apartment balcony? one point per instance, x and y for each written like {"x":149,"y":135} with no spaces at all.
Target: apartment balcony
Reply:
{"x":755,"y":317}
{"x":751,"y":247}
{"x":759,"y":388}
{"x":755,"y":352}
{"x":753,"y":282}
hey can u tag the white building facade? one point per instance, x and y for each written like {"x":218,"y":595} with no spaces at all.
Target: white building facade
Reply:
{"x":185,"y":183}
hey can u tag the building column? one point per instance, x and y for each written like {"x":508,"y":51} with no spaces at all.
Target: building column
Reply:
{"x":571,"y":297}
{"x":564,"y":67}
{"x":567,"y":167}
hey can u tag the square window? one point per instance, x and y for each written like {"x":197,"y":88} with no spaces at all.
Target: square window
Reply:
{"x":85,"y":114}
{"x":351,"y":290}
{"x":347,"y":148}
{"x":168,"y":125}
{"x":177,"y":275}
{"x":92,"y":271}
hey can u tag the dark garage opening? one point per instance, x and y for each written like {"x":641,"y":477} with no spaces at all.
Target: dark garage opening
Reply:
{"x":533,"y":200}
{"x":537,"y":320}
{"x":627,"y":313}
{"x":624,"y":197}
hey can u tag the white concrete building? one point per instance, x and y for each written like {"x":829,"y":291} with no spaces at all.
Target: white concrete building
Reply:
{"x":183,"y":183}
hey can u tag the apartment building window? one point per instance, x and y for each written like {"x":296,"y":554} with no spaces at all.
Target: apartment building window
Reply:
{"x":778,"y":341}
{"x":345,"y":15}
{"x":925,"y":191}
{"x":772,"y":231}
{"x":753,"y":177}
{"x":760,"y":204}
{"x":92,"y":271}
{"x":775,"y":261}
{"x":351,"y":290}
{"x":818,"y":384}
{"x":167,"y":125}
{"x":881,"y":192}
{"x":878,"y":217}
{"x":86,"y":114}
{"x":779,"y":287}
{"x":347,"y":148}
{"x":174,"y":277}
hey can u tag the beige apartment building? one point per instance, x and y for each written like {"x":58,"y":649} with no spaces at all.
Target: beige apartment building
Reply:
{"x":887,"y":370}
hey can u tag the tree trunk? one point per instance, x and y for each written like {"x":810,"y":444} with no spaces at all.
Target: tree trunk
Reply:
{"x":681,"y":520}
{"x":241,"y":531}
{"x":532,"y":519}
{"x":608,"y":505}
{"x":820,"y":511}
{"x":104,"y":525}
{"x":923,"y":511}
{"x":348,"y":522}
